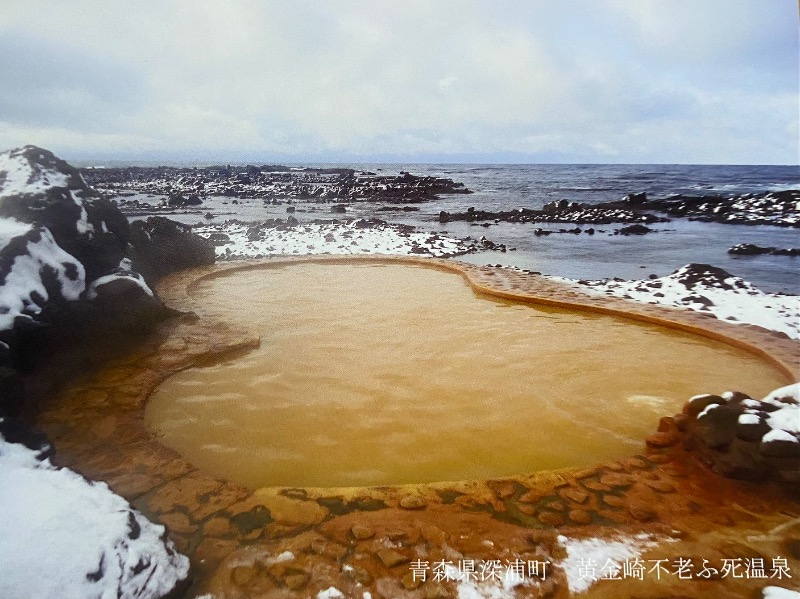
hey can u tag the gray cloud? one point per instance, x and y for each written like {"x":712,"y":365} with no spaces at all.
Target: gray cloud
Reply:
{"x":47,"y":82}
{"x":611,"y":80}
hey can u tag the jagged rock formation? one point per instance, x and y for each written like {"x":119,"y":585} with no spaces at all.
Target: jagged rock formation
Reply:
{"x":63,"y":252}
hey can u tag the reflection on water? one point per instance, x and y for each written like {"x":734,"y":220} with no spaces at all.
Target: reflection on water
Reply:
{"x":391,"y":374}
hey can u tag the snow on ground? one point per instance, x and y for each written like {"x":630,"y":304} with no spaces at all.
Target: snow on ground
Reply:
{"x":588,"y":560}
{"x":330,"y":593}
{"x":346,"y":237}
{"x":64,"y":536}
{"x":779,"y":593}
{"x":710,"y":290}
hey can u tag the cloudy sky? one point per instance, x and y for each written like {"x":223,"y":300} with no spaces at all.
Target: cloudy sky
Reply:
{"x":662,"y":81}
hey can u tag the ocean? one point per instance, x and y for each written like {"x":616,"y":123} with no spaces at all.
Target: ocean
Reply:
{"x":679,"y":242}
{"x":599,"y":256}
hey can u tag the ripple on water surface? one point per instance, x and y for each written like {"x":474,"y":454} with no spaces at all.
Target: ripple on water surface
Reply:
{"x":370,"y":375}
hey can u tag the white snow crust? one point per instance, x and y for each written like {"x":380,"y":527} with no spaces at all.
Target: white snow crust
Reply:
{"x":22,"y":177}
{"x":25,"y":275}
{"x":330,"y":593}
{"x":736,"y":301}
{"x":64,"y":536}
{"x":596,"y":551}
{"x":330,"y":238}
{"x":779,"y":593}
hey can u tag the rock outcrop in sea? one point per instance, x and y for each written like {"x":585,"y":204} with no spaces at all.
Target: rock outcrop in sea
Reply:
{"x":181,"y":187}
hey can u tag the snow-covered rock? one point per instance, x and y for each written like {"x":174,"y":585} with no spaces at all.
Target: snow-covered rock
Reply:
{"x":64,"y":536}
{"x":706,"y":288}
{"x":34,"y":271}
{"x":745,"y":438}
{"x":63,"y":255}
{"x":40,"y":189}
{"x":235,"y":240}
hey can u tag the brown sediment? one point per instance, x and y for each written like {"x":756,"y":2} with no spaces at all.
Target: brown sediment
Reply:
{"x":367,"y":539}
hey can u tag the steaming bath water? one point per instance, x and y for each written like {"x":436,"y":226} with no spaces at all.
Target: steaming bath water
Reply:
{"x":371,"y":375}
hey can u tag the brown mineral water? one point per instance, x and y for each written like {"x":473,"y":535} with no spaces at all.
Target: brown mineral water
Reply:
{"x":371,"y":375}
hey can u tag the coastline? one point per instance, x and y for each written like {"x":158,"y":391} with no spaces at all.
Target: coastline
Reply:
{"x":86,"y":340}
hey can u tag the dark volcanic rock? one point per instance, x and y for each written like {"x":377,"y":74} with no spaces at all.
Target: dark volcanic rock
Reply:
{"x":562,"y":211}
{"x":64,"y":281}
{"x":124,"y":301}
{"x":160,"y":246}
{"x":707,"y":275}
{"x":13,"y":431}
{"x":780,"y":448}
{"x":716,"y":425}
{"x":698,"y":403}
{"x":38,"y":188}
{"x":271,"y":183}
{"x":777,"y":208}
{"x":743,"y":438}
{"x":636,"y":229}
{"x":748,"y":249}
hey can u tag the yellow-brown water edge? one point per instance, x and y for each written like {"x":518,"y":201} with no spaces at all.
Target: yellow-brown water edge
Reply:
{"x":371,"y":375}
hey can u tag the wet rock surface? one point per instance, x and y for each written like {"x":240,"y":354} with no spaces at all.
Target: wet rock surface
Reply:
{"x":286,"y":542}
{"x":159,"y":246}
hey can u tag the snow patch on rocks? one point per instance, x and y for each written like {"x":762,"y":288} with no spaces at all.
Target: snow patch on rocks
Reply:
{"x":711,"y":290}
{"x":19,"y":175}
{"x":64,"y":536}
{"x":128,"y":276}
{"x":33,"y":268}
{"x":235,"y":240}
{"x":587,"y":559}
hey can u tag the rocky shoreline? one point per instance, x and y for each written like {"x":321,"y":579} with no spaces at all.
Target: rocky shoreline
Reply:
{"x":776,"y":208}
{"x":180,"y":187}
{"x":84,"y":340}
